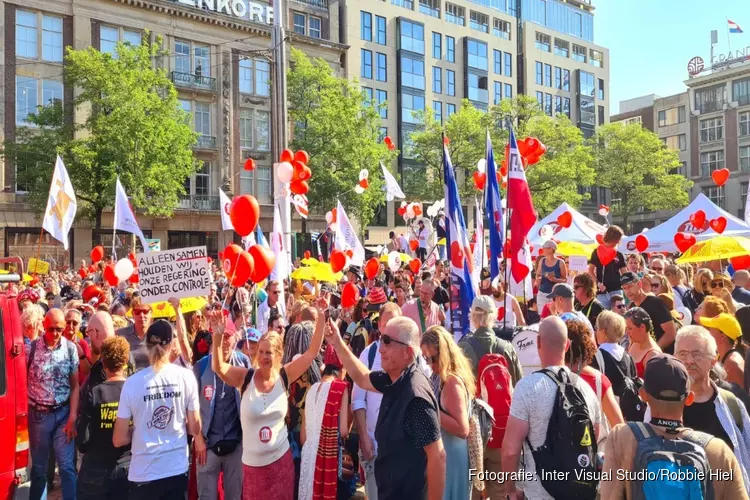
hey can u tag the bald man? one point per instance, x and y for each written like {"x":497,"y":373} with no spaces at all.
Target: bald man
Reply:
{"x":740,"y":293}
{"x":531,"y":408}
{"x":99,"y":328}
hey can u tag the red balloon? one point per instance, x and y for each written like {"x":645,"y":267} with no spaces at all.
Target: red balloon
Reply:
{"x":337,"y":260}
{"x":698,"y":219}
{"x":413,"y":244}
{"x":287,"y":156}
{"x":684,"y":241}
{"x":210,"y":260}
{"x":299,"y":187}
{"x":391,"y":146}
{"x":307,"y":254}
{"x":479,"y":179}
{"x":415,"y":265}
{"x":349,"y":295}
{"x":349,"y":253}
{"x":302,"y":157}
{"x":82,"y":272}
{"x":417,"y":210}
{"x":264,"y":260}
{"x":401,"y":211}
{"x":641,"y":243}
{"x":718,"y":224}
{"x":606,"y":254}
{"x":92,"y":292}
{"x":742,"y":262}
{"x":249,"y":165}
{"x":242,"y":270}
{"x":244,"y":213}
{"x":131,"y":256}
{"x":134,"y":279}
{"x":600,"y":239}
{"x":388,"y":141}
{"x":720,"y":176}
{"x":92,"y":268}
{"x":230,"y":254}
{"x":565,"y":219}
{"x":371,"y":268}
{"x":109,"y":275}
{"x":97,"y":254}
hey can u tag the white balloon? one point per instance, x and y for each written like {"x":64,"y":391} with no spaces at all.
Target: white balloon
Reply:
{"x":124,"y":269}
{"x":363,"y":174}
{"x":284,"y":172}
{"x":334,"y":226}
{"x":359,"y":189}
{"x":482,"y":166}
{"x":546,"y":232}
{"x":603,"y":212}
{"x":394,"y":261}
{"x":410,"y":210}
{"x":403,"y":204}
{"x":329,"y":217}
{"x":645,"y":230}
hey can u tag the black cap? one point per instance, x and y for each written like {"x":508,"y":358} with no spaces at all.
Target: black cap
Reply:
{"x":159,"y":333}
{"x":485,"y":274}
{"x":355,"y":270}
{"x":628,"y":278}
{"x":666,"y":378}
{"x":561,"y":290}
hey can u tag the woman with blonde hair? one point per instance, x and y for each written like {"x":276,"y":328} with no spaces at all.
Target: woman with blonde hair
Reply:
{"x":32,"y":319}
{"x":710,"y":308}
{"x":702,"y":284}
{"x":660,"y":285}
{"x":454,"y":385}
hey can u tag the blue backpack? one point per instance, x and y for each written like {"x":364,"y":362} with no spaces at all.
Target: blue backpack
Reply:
{"x":670,"y":469}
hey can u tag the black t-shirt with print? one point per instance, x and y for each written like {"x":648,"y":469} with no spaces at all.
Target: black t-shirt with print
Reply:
{"x":96,"y":424}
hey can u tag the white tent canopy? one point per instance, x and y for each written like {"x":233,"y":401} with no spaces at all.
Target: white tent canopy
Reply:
{"x":661,"y":237}
{"x":582,"y":230}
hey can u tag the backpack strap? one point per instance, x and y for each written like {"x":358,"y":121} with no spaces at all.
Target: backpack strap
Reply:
{"x":371,"y":355}
{"x":599,"y":360}
{"x":641,"y":431}
{"x":700,"y":438}
{"x":734,"y":407}
{"x":599,"y":385}
{"x":246,"y":381}
{"x":474,"y":343}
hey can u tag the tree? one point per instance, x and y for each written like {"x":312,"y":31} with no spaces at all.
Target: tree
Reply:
{"x":639,"y":170}
{"x":339,"y":128}
{"x":565,"y":167}
{"x":134,"y":127}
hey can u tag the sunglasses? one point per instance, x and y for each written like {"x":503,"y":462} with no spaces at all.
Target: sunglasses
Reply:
{"x":141,"y":311}
{"x":654,"y":286}
{"x":72,"y":322}
{"x":717,"y":284}
{"x":431,"y":359}
{"x":620,"y":306}
{"x":55,"y":330}
{"x":387,"y":339}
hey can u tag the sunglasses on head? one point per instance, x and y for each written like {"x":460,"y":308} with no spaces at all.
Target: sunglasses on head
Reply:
{"x":387,"y":339}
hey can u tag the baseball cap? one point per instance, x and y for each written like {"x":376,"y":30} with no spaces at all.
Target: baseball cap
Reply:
{"x":561,"y":290}
{"x":666,"y":378}
{"x":485,"y":303}
{"x":550,"y":244}
{"x":251,"y":334}
{"x":628,"y":278}
{"x":484,"y":274}
{"x":725,"y":323}
{"x":159,"y":333}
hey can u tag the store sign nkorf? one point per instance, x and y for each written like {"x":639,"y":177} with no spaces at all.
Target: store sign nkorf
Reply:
{"x":243,"y":9}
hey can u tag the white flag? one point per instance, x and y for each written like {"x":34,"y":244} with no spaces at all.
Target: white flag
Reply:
{"x":281,"y":268}
{"x":479,"y":250}
{"x":61,"y":205}
{"x":392,"y":189}
{"x":125,"y":216}
{"x":224,"y":202}
{"x":346,"y":237}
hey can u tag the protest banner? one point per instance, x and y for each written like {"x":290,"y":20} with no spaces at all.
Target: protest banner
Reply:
{"x":38,"y":266}
{"x":177,"y":273}
{"x":578,"y":263}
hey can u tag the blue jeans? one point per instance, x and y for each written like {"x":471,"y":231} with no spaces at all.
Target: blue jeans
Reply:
{"x":97,"y":481}
{"x":47,"y":430}
{"x":441,"y":252}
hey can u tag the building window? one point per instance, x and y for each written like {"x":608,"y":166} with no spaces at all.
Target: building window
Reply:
{"x":262,"y":77}
{"x":710,"y":161}
{"x":508,"y":90}
{"x":676,"y":142}
{"x":566,"y":80}
{"x":539,"y":80}
{"x":412,"y":72}
{"x":542,"y":42}
{"x":380,"y":30}
{"x":597,"y":58}
{"x":477,"y":54}
{"x":382,"y":100}
{"x":437,"y":45}
{"x":437,"y":110}
{"x":257,"y":183}
{"x":741,"y":91}
{"x":566,"y":106}
{"x":181,"y":56}
{"x":508,"y":64}
{"x":203,"y":118}
{"x":26,"y":34}
{"x":711,"y":99}
{"x":366,"y":68}
{"x":548,"y":104}
{"x":300,"y":23}
{"x":715,"y":194}
{"x":586,"y":84}
{"x":562,"y":48}
{"x":558,"y":78}
{"x":712,"y":130}
{"x":671,"y":116}
{"x":412,"y":37}
{"x":600,"y":113}
{"x":497,"y":61}
{"x":501,"y":28}
{"x":314,"y":23}
{"x":478,"y":91}
{"x":430,"y":7}
{"x":263,"y":130}
{"x":382,"y":133}
{"x":455,"y":14}
{"x":600,"y":93}
{"x":408,"y":4}
{"x":201,"y":60}
{"x":202,"y":180}
{"x":498,"y":92}
{"x":451,"y":77}
{"x":365,"y":21}
{"x":246,"y":129}
{"x":437,"y":80}
{"x":540,"y":100}
{"x":109,"y":36}
{"x":479,"y":21}
{"x":450,"y":47}
{"x":547,"y":75}
{"x":246,"y":76}
{"x":579,"y":53}
{"x":743,"y":194}
{"x":27,"y":96}
{"x":450,"y":110}
{"x":745,"y":158}
{"x":382,"y":71}
{"x":52,"y":39}
{"x":367,"y":95}
{"x":745,"y":123}
{"x":558,"y":104}
{"x":411,"y":105}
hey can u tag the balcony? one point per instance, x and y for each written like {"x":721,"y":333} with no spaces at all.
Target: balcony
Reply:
{"x":206,"y":142}
{"x":315,"y":4}
{"x":195,"y":82}
{"x":199,"y":203}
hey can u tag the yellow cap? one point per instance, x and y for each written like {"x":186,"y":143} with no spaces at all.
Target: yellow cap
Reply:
{"x":725,"y":323}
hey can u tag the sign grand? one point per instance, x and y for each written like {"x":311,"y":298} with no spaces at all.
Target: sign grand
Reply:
{"x":237,"y":8}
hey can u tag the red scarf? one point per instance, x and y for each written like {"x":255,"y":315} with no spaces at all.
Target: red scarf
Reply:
{"x":327,"y":460}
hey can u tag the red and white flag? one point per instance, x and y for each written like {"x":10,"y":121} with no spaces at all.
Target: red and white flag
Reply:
{"x":300,"y":205}
{"x":224,"y":202}
{"x":523,"y":215}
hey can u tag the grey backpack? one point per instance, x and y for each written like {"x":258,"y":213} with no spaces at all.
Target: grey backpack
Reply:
{"x":670,"y":469}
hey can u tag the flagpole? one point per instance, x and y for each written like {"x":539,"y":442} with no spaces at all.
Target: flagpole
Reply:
{"x":508,"y":204}
{"x":729,"y":43}
{"x":38,"y":251}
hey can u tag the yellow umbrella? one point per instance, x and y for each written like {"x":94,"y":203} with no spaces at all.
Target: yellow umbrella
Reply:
{"x":320,"y":272}
{"x":720,"y":247}
{"x":310,"y":262}
{"x":404,"y":258}
{"x":572,"y":248}
{"x":165,"y":309}
{"x":441,"y":241}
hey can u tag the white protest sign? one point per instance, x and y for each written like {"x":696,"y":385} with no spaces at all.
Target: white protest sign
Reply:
{"x":578,"y":263}
{"x":180,"y":273}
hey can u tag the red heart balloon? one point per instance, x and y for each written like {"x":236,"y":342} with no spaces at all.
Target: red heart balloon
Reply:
{"x":287,"y":156}
{"x":299,"y":187}
{"x":244,"y":213}
{"x":565,"y":219}
{"x":413,"y":244}
{"x":82,"y":272}
{"x":264,"y":260}
{"x":91,"y":292}
{"x":249,"y":165}
{"x":371,"y":268}
{"x":641,"y":243}
{"x":605,"y":254}
{"x":109,"y":275}
{"x":231,"y":252}
{"x":698,"y":219}
{"x":720,"y":176}
{"x":401,"y":211}
{"x":479,"y":179}
{"x":92,"y":268}
{"x":302,"y":157}
{"x":742,"y":262}
{"x":684,"y":241}
{"x":349,"y":253}
{"x":415,"y":265}
{"x":417,"y":210}
{"x":718,"y":224}
{"x":337,"y":260}
{"x":307,"y":254}
{"x":134,"y":279}
{"x":600,"y":239}
{"x":243,"y":269}
{"x":457,"y":255}
{"x":97,"y":254}
{"x":349,"y":295}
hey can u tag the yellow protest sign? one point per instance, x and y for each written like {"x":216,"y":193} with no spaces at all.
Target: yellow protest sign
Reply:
{"x":38,"y":266}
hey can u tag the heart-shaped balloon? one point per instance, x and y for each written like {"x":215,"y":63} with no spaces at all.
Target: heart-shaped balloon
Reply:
{"x":698,"y":219}
{"x":231,"y":252}
{"x":565,"y":219}
{"x":605,"y":254}
{"x":244,"y":213}
{"x":720,"y":176}
{"x":413,"y":244}
{"x":372,"y":267}
{"x":349,"y":295}
{"x":349,"y":253}
{"x":641,"y":243}
{"x":600,"y":239}
{"x":97,"y":254}
{"x":742,"y":262}
{"x":337,"y":260}
{"x":243,"y":269}
{"x":394,"y":261}
{"x":264,"y":260}
{"x":479,"y":179}
{"x":110,"y":276}
{"x":307,"y":254}
{"x":718,"y":224}
{"x":684,"y":241}
{"x":415,"y":265}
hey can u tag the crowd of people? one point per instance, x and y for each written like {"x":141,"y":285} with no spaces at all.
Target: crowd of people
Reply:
{"x":277,"y":392}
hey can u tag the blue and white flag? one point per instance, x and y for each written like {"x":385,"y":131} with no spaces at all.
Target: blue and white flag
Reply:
{"x":494,"y":210}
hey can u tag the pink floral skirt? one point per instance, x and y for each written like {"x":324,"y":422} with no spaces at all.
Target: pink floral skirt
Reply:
{"x":271,"y":482}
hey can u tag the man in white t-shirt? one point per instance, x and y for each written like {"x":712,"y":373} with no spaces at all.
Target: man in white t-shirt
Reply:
{"x":162,"y":402}
{"x":531,"y":408}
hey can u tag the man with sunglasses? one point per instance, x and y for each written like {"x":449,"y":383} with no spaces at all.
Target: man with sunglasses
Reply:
{"x":410,"y":459}
{"x":52,"y":381}
{"x":73,"y":320}
{"x":270,"y":307}
{"x":661,"y":318}
{"x":135,"y":334}
{"x":618,"y":305}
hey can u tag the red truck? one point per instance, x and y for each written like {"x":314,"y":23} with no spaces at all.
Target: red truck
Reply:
{"x":14,"y":428}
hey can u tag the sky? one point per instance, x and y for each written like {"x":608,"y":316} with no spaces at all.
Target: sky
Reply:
{"x":651,"y":41}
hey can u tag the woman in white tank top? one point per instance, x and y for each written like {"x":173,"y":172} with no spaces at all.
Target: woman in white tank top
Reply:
{"x":509,"y":314}
{"x":268,"y":468}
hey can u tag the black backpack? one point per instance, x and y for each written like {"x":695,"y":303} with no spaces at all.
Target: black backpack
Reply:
{"x":625,"y":386}
{"x":688,"y":299}
{"x":569,"y":450}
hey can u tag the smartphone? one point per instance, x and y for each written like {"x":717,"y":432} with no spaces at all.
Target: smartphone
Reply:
{"x":327,"y":315}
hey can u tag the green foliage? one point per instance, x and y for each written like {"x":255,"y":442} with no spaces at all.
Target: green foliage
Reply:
{"x":639,"y":170}
{"x":555,"y":179}
{"x":338,"y":128}
{"x":130,"y":124}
